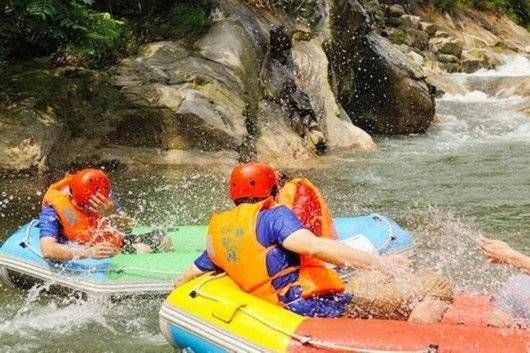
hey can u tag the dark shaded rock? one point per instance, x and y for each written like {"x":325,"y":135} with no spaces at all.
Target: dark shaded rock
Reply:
{"x":375,"y":84}
{"x":409,"y":22}
{"x":418,"y":39}
{"x":27,"y":135}
{"x":451,"y":46}
{"x":396,"y":10}
{"x":429,"y":28}
{"x":447,"y":58}
{"x":389,"y":96}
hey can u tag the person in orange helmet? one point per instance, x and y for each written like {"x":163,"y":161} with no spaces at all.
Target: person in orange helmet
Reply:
{"x":261,"y":244}
{"x":81,"y":209}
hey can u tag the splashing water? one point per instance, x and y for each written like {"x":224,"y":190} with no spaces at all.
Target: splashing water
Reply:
{"x":465,"y":178}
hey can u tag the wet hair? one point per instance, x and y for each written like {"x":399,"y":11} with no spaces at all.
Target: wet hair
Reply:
{"x":242,"y":200}
{"x":283,"y":178}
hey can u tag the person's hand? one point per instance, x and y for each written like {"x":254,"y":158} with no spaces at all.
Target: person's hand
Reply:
{"x":395,"y":265}
{"x":102,"y":205}
{"x":497,"y":251}
{"x":178,"y":281}
{"x":100,"y":251}
{"x":122,"y":222}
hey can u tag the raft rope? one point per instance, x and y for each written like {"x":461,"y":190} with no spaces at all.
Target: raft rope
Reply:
{"x":25,"y":241}
{"x":303,"y":339}
{"x":138,"y":269}
{"x":390,"y":236}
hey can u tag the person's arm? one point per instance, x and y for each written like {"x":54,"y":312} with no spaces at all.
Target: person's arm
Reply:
{"x":54,"y":251}
{"x":306,"y":243}
{"x":201,"y":265}
{"x":499,"y":251}
{"x":191,"y":272}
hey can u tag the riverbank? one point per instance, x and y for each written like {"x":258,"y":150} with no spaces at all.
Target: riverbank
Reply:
{"x":287,"y":89}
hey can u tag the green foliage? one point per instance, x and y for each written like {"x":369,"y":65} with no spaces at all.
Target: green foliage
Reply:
{"x":447,"y":5}
{"x":397,"y":36}
{"x":94,"y":32}
{"x":376,"y":11}
{"x":178,"y":20}
{"x":519,"y":10}
{"x":69,"y":29}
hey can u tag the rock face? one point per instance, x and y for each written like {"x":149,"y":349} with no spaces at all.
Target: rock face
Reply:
{"x":398,"y":100}
{"x":448,"y":46}
{"x":26,"y":137}
{"x":262,"y":82}
{"x":311,"y":75}
{"x":202,"y":97}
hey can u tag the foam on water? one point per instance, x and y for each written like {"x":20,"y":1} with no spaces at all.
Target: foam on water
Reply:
{"x":475,"y":118}
{"x":514,"y":66}
{"x":60,"y":317}
{"x":480,"y":97}
{"x":38,"y":321}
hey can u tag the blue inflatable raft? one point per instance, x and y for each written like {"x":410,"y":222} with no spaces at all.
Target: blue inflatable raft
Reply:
{"x":127,"y":274}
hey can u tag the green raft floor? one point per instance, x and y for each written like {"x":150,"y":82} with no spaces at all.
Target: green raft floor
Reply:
{"x":188,"y":243}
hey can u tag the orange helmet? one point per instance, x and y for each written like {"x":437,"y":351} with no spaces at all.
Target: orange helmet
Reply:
{"x":249,"y":180}
{"x":88,"y":182}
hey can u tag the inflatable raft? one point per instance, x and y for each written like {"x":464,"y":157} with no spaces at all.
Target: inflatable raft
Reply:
{"x":210,"y":314}
{"x":21,"y":262}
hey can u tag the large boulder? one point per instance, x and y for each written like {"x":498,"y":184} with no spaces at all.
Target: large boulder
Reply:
{"x":390,"y":96}
{"x":450,"y":46}
{"x":204,"y":93}
{"x":311,"y":68}
{"x":477,"y":58}
{"x":374,"y":82}
{"x":277,"y":142}
{"x":27,"y":135}
{"x":429,"y":28}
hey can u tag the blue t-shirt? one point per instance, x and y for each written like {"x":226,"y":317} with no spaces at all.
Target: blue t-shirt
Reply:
{"x":273,"y":226}
{"x":50,"y":224}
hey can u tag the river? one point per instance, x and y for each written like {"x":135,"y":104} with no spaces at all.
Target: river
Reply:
{"x":468,"y":176}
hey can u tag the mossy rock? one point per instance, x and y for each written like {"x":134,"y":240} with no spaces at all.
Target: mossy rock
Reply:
{"x":397,"y":36}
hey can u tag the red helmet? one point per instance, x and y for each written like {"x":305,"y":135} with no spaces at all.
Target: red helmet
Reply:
{"x":88,"y":182}
{"x":249,"y":180}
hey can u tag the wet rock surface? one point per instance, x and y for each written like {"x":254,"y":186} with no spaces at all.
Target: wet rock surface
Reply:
{"x":279,"y":83}
{"x":398,"y":100}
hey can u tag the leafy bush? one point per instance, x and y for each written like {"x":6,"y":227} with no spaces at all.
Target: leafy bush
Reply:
{"x":447,"y":5}
{"x":94,"y":32}
{"x":183,"y":20}
{"x":69,"y":29}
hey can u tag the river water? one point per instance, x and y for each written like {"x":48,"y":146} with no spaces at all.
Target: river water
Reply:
{"x":468,"y":176}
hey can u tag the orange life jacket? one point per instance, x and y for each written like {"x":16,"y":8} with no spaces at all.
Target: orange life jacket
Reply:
{"x":307,"y":203}
{"x":79,"y":226}
{"x":234,"y":247}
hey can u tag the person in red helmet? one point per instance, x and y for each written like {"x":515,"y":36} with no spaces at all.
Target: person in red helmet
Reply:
{"x":269,"y":253}
{"x":81,"y":209}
